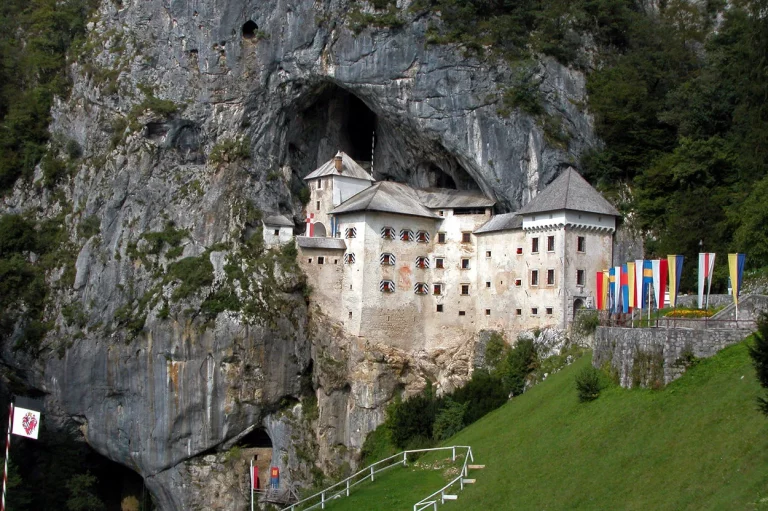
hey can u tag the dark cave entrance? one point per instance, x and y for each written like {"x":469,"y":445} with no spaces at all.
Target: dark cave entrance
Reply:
{"x":327,"y":118}
{"x":256,"y":446}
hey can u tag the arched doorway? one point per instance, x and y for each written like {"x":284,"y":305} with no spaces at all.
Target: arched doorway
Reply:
{"x":578,"y":303}
{"x":320,"y":231}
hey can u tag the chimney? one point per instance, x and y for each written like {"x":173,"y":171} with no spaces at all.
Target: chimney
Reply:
{"x":337,"y":162}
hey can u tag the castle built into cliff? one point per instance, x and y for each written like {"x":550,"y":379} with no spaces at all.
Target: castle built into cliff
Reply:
{"x":430,"y":268}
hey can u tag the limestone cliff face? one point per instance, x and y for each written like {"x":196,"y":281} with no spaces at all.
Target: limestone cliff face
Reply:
{"x":192,"y":117}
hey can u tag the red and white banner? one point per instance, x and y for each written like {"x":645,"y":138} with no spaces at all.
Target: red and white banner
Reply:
{"x":310,"y":225}
{"x":26,"y":422}
{"x":706,"y":266}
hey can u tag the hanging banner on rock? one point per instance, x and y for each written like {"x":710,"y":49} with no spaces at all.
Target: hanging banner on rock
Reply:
{"x":26,"y":417}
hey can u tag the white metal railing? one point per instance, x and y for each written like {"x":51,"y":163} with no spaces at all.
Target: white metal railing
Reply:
{"x":341,"y":489}
{"x":426,"y":502}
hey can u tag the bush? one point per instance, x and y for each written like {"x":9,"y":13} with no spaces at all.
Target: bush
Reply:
{"x":589,"y":383}
{"x":519,"y":363}
{"x":412,"y":418}
{"x":484,"y":393}
{"x":759,"y":354}
{"x":450,"y":420}
{"x":495,"y":350}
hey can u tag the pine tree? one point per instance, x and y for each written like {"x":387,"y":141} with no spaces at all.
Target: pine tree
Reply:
{"x":759,"y":354}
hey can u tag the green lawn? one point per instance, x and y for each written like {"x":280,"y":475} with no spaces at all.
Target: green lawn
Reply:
{"x":697,"y":444}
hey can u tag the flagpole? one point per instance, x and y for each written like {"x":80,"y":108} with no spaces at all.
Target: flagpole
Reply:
{"x":7,"y":453}
{"x":252,"y":483}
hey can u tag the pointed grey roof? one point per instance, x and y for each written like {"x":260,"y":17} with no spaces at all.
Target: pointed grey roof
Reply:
{"x":278,"y":221}
{"x":569,"y":191}
{"x":505,"y":222}
{"x":386,"y":197}
{"x":436,"y":198}
{"x":349,"y":168}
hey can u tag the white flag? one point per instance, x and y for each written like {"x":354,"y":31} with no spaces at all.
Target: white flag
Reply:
{"x":26,"y":422}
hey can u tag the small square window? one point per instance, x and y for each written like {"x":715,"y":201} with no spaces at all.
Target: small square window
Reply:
{"x":387,"y":233}
{"x":309,"y":260}
{"x":487,"y":283}
{"x":439,"y":263}
{"x":550,"y":277}
{"x":462,"y":313}
{"x":466,"y":237}
{"x":350,"y":232}
{"x":465,"y":289}
{"x":442,"y":213}
{"x":549,"y":311}
{"x":581,"y":244}
{"x":321,"y":260}
{"x":534,"y":245}
{"x":437,"y":289}
{"x":441,"y":237}
{"x":518,"y":282}
{"x":580,"y":277}
{"x":439,"y":307}
{"x":317,"y":205}
{"x":277,"y":232}
{"x":487,"y":253}
{"x":335,"y":261}
{"x":534,"y":277}
{"x":319,"y":184}
{"x":534,"y":311}
{"x":519,"y":312}
{"x":550,"y":243}
{"x":350,"y":314}
{"x":487,"y":312}
{"x":465,"y":263}
{"x":519,"y":250}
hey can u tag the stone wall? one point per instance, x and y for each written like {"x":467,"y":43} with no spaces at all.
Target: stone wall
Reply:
{"x":664,"y":352}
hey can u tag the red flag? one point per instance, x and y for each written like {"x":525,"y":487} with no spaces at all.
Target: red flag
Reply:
{"x":663,"y":273}
{"x":599,"y":290}
{"x":255,"y":478}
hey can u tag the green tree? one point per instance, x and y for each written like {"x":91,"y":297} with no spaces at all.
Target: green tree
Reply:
{"x":450,"y":420}
{"x":520,"y":362}
{"x":759,"y":353}
{"x":81,"y":493}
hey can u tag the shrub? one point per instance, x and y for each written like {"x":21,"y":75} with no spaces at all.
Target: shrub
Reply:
{"x":759,"y":354}
{"x":450,"y":420}
{"x":194,"y":273}
{"x":495,"y":350}
{"x":412,"y":418}
{"x":589,"y":383}
{"x":519,"y":363}
{"x":230,"y":150}
{"x":484,"y":393}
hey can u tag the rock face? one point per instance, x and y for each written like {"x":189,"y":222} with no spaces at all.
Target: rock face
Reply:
{"x":193,"y":117}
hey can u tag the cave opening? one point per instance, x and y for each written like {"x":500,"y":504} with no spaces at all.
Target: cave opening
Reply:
{"x":249,"y":29}
{"x":256,"y":446}
{"x":326,"y":118}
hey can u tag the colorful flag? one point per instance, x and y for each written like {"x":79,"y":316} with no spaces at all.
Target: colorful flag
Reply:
{"x":254,"y":477}
{"x":26,"y":417}
{"x":647,"y":282}
{"x":599,"y":287}
{"x":612,"y":289}
{"x":659,"y":271}
{"x":675,"y":271}
{"x":310,"y":225}
{"x":736,"y":267}
{"x":706,"y":266}
{"x":605,"y":289}
{"x":632,"y":281}
{"x":617,"y":289}
{"x":624,"y":289}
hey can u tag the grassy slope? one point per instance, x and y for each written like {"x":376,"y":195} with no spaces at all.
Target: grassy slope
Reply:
{"x":698,"y":444}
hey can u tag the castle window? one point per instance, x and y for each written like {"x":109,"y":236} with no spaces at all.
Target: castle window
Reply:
{"x":321,"y":260}
{"x":421,"y":288}
{"x":319,"y":184}
{"x":350,"y":232}
{"x":581,"y":244}
{"x":317,"y":205}
{"x":350,"y":314}
{"x":550,"y":277}
{"x":465,"y":263}
{"x":441,"y":237}
{"x":439,"y":263}
{"x":488,"y":283}
{"x":442,"y":213}
{"x":462,"y":313}
{"x":519,"y":250}
{"x":466,"y":237}
{"x":387,"y":233}
{"x":580,"y":277}
{"x":534,"y":245}
{"x":487,"y":253}
{"x":534,"y":277}
{"x":550,"y":243}
{"x":422,"y":237}
{"x":335,"y":261}
{"x":422,"y":262}
{"x":548,"y":310}
{"x":406,"y":235}
{"x":387,"y":259}
{"x":534,"y":310}
{"x":349,"y":258}
{"x":465,"y":289}
{"x":437,"y":289}
{"x":487,"y":312}
{"x":387,"y":286}
{"x":519,"y":312}
{"x":518,"y":282}
{"x":439,"y":307}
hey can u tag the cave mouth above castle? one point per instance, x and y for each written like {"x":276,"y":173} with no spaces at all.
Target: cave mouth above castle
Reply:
{"x":249,"y":29}
{"x":327,"y":118}
{"x":258,"y":437}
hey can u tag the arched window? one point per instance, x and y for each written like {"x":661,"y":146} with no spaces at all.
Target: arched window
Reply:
{"x":350,"y":232}
{"x":422,"y":262}
{"x":406,"y":235}
{"x":387,"y":233}
{"x":349,"y":258}
{"x":387,"y":259}
{"x":422,"y":237}
{"x":421,"y":288}
{"x":387,"y":286}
